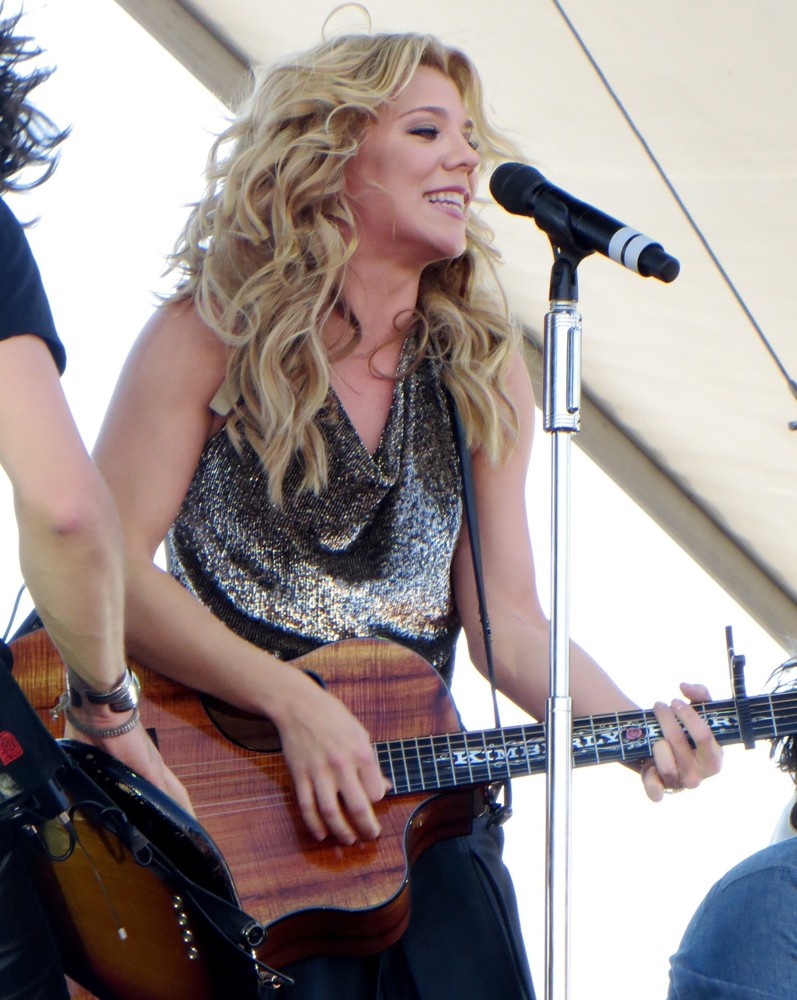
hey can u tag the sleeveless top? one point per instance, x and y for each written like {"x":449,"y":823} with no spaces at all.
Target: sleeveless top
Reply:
{"x":369,"y":557}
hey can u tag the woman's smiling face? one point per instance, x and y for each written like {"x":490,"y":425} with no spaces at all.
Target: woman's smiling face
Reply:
{"x":414,"y":176}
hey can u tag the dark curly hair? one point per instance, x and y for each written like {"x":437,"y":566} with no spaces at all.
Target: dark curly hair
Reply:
{"x":28,"y":138}
{"x":784,"y":748}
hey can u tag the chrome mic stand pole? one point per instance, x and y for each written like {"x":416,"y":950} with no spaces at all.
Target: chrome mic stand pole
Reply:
{"x":575,"y":230}
{"x":561,"y":402}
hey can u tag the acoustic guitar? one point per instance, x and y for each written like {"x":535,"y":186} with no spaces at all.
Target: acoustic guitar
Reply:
{"x":248,"y":842}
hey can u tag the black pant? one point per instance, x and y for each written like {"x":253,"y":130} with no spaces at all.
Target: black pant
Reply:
{"x":30,"y":965}
{"x":463,"y":941}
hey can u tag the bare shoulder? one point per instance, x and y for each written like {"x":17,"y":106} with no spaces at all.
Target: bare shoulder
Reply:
{"x":172,"y":372}
{"x":159,"y":420}
{"x":177,"y":338}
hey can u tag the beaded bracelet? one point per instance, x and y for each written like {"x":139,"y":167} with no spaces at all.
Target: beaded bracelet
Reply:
{"x":126,"y":727}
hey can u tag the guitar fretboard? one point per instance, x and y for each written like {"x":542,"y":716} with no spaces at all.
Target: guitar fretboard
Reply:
{"x":474,"y":758}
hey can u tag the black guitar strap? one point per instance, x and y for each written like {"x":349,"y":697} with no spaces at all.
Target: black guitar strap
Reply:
{"x":41,"y":779}
{"x":236,"y":935}
{"x":498,"y":813}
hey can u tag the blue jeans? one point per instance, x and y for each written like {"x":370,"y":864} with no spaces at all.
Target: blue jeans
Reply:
{"x":741,"y":944}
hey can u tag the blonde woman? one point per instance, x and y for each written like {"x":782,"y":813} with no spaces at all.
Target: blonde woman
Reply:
{"x":283,"y":420}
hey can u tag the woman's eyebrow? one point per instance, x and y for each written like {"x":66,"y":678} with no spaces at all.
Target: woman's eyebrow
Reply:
{"x":433,"y":109}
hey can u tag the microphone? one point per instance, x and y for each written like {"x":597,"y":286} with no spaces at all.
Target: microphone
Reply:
{"x":572,"y":224}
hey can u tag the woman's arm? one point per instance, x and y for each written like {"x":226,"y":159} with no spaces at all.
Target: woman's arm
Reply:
{"x":69,"y":542}
{"x":150,"y":444}
{"x":520,"y":629}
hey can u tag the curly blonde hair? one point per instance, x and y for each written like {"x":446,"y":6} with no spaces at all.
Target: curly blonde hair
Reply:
{"x":264,"y":252}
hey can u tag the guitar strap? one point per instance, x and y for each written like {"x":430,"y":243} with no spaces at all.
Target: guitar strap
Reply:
{"x":40,"y":781}
{"x":499,"y":814}
{"x":235,"y":933}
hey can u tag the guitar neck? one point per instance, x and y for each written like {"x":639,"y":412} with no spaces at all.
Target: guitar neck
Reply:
{"x":459,"y":759}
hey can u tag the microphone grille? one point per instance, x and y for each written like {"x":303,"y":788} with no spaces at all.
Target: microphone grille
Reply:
{"x":514,"y":185}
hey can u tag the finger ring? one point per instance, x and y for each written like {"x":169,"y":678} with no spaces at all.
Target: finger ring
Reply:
{"x":672,"y":791}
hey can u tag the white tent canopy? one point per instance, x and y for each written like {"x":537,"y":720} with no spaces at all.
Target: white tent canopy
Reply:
{"x":684,"y":404}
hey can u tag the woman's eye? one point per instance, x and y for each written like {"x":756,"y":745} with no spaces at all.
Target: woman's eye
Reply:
{"x":426,"y":131}
{"x":473,"y":143}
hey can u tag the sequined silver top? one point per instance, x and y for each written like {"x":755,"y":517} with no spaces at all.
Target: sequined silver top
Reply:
{"x":369,"y":557}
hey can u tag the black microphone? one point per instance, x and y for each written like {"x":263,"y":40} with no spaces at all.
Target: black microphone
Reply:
{"x":573,"y":225}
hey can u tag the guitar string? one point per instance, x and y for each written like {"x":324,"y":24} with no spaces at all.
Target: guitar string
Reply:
{"x":477,"y":769}
{"x":775,"y":719}
{"x":596,"y":724}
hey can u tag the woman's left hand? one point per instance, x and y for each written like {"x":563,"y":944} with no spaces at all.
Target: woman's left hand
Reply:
{"x":676,"y":764}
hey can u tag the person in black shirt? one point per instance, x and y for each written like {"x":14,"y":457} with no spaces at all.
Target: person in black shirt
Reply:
{"x":70,"y":551}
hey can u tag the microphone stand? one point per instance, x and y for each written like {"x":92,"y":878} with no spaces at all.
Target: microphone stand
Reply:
{"x":561,"y":402}
{"x":575,"y":231}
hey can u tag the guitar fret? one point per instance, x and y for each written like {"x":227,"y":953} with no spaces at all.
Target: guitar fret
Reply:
{"x":419,"y":768}
{"x":772,"y":716}
{"x":399,"y":767}
{"x":400,"y":763}
{"x":595,"y":738}
{"x":433,"y":756}
{"x":465,"y":755}
{"x":504,"y":755}
{"x":486,"y":752}
{"x":404,"y":765}
{"x":652,"y":730}
{"x":393,"y":776}
{"x":650,"y":727}
{"x":619,"y":738}
{"x":535,"y":747}
{"x":450,"y":759}
{"x":458,"y":755}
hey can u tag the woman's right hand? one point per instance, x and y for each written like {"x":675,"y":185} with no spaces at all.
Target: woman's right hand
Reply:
{"x":138,"y":752}
{"x":333,"y":764}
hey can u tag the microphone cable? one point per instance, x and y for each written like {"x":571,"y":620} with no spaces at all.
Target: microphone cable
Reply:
{"x":13,"y":615}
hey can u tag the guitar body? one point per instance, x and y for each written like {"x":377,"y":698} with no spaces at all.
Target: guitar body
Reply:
{"x":124,"y":929}
{"x":312,"y":898}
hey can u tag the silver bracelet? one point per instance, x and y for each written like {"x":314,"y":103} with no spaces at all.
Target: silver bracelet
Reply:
{"x":126,"y":727}
{"x":122,"y":698}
